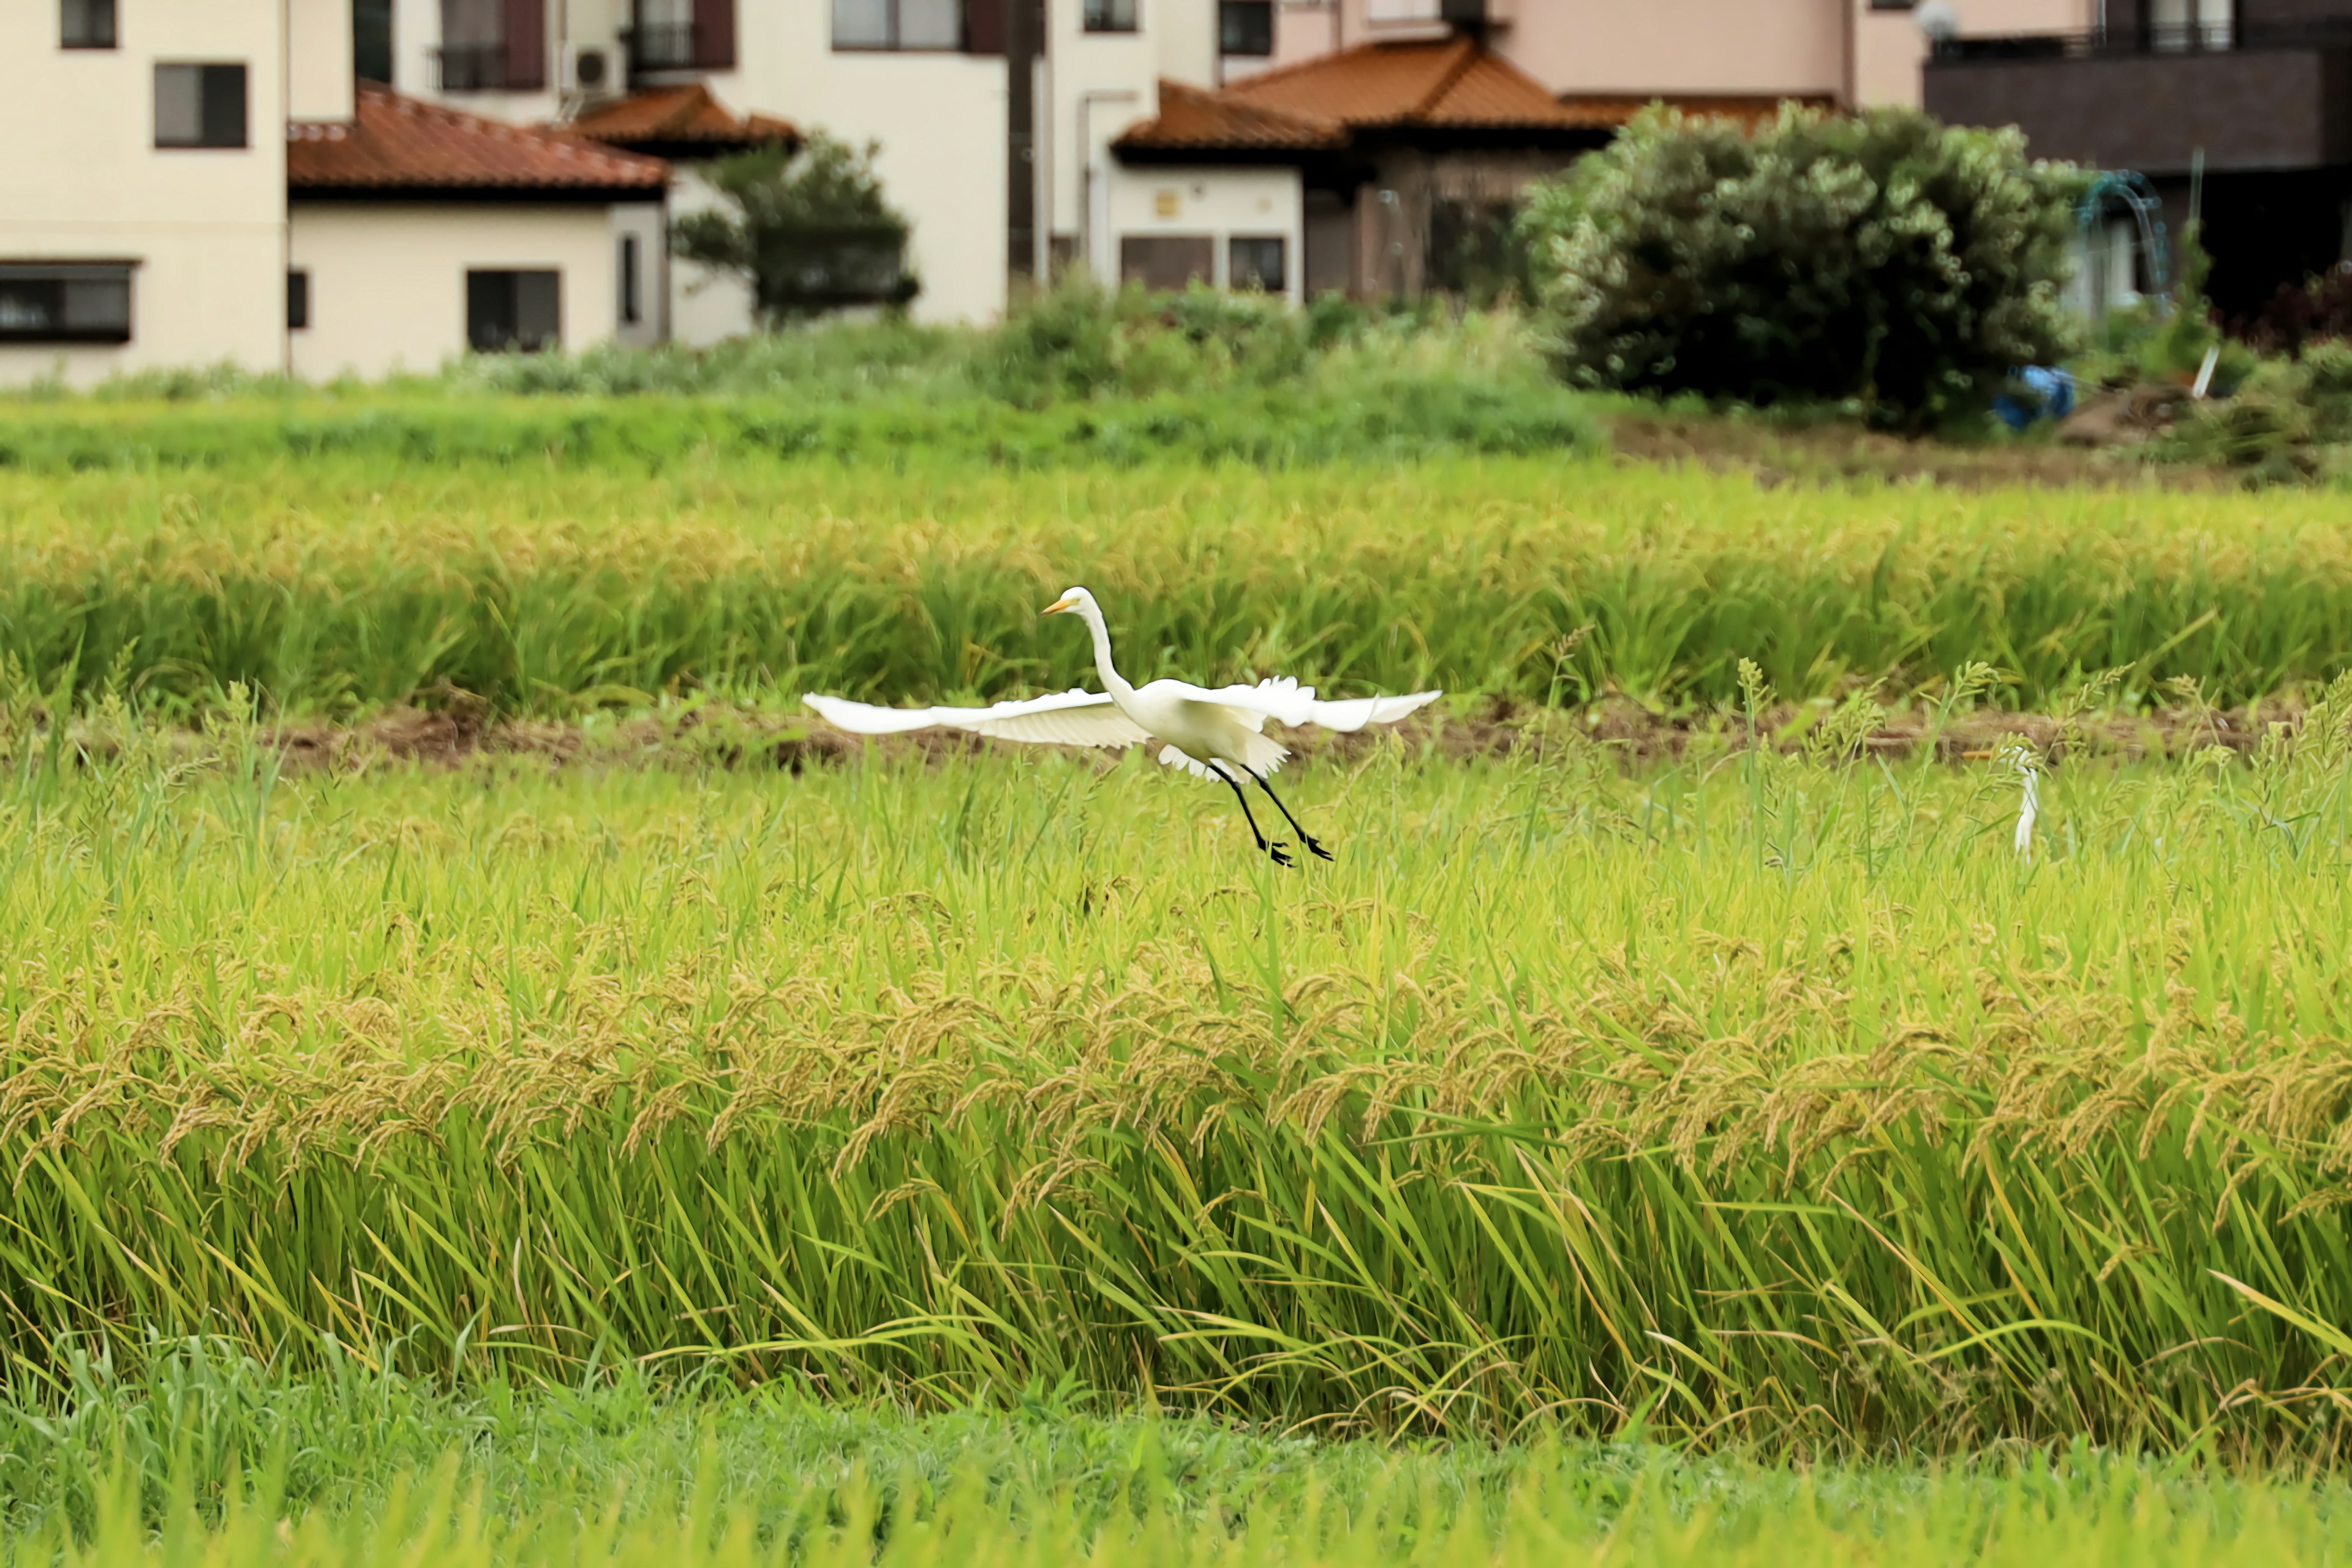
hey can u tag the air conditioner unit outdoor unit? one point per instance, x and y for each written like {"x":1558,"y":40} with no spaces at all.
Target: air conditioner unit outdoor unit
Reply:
{"x":591,"y":68}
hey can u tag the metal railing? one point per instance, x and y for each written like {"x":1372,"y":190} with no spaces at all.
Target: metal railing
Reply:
{"x":662,"y":46}
{"x":2116,"y":43}
{"x":473,"y":67}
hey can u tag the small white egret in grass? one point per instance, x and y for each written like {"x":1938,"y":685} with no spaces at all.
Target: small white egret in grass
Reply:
{"x":1216,"y":733}
{"x":2030,"y":804}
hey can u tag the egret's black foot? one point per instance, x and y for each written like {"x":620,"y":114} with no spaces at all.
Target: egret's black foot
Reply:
{"x":1281,"y":856}
{"x":1315,"y":846}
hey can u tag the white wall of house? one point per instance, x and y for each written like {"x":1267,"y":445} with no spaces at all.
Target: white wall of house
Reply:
{"x":388,"y":279}
{"x":319,"y":60}
{"x":641,"y":321}
{"x":1221,"y":203}
{"x":83,"y":180}
{"x":706,"y":307}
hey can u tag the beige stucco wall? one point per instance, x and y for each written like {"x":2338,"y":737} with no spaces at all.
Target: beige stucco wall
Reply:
{"x":388,"y":279}
{"x":1687,"y":45}
{"x":1220,"y":202}
{"x":705,"y":307}
{"x":84,"y":180}
{"x":1889,"y":47}
{"x":319,"y":60}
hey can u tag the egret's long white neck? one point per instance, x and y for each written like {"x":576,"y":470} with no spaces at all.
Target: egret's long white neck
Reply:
{"x":1113,"y":682}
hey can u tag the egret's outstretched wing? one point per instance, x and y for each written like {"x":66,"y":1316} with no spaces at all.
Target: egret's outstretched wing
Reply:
{"x":1065,"y":719}
{"x":1286,"y":701}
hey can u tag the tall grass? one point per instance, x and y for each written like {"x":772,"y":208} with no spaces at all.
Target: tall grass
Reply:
{"x":357,"y":580}
{"x":1755,"y":1099}
{"x":1552,"y":1514}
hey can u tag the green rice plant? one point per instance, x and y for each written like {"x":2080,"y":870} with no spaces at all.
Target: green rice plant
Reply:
{"x":1766,"y":1099}
{"x":1551,"y":1513}
{"x":359,"y":580}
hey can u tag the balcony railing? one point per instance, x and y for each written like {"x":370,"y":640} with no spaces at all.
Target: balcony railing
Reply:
{"x":663,"y":46}
{"x":2121,"y":43}
{"x":473,"y":67}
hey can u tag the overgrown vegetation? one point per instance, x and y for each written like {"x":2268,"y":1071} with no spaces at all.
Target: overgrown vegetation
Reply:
{"x":1879,"y":260}
{"x":1079,"y":377}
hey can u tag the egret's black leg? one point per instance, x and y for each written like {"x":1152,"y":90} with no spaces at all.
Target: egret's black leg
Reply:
{"x":1312,"y":843}
{"x":1281,"y":856}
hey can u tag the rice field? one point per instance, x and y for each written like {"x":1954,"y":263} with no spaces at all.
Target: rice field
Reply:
{"x":347,"y":583}
{"x":1773,"y":1100}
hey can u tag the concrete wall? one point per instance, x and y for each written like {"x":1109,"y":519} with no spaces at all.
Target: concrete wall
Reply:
{"x":1218,"y":202}
{"x":83,"y":179}
{"x":388,"y":279}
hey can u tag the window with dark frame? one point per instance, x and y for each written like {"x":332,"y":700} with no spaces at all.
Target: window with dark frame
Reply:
{"x":1166,"y":263}
{"x":199,"y":105}
{"x":1245,"y":27}
{"x":372,"y":40}
{"x":298,"y":300}
{"x":86,"y":24}
{"x":1111,"y":15}
{"x":630,"y":313}
{"x":897,"y":25}
{"x":65,"y":301}
{"x":517,"y":311}
{"x":1258,"y":261}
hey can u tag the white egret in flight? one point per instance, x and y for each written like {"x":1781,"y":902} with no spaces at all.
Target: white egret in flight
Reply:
{"x":1214,"y":733}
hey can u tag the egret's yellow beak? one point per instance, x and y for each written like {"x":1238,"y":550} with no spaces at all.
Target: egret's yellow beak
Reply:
{"x":1059,"y":605}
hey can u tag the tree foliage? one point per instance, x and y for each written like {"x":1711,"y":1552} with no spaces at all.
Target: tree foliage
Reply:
{"x":1879,"y":256}
{"x":809,"y":230}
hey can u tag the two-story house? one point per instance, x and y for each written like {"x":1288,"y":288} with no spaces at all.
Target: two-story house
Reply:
{"x":195,"y":185}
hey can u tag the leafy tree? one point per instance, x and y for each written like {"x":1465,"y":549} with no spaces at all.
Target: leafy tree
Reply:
{"x":809,"y":230}
{"x":1879,"y":256}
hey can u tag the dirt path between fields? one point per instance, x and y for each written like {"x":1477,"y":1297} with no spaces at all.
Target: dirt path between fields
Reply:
{"x":1781,"y":454}
{"x":460,"y":736}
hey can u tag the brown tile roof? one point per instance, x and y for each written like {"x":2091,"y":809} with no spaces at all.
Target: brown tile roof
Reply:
{"x":394,"y":144}
{"x":1450,"y":83}
{"x":1750,"y":110}
{"x":1191,"y":118}
{"x":689,"y":115}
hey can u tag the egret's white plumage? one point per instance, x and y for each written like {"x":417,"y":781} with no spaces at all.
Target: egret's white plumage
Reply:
{"x":1216,"y":733}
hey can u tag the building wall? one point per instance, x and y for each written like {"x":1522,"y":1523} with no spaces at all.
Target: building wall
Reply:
{"x":1218,"y":202}
{"x":1793,"y":46}
{"x":940,"y":119}
{"x":705,"y":307}
{"x":319,"y":60}
{"x":83,"y":180}
{"x":388,"y":279}
{"x":1889,"y":47}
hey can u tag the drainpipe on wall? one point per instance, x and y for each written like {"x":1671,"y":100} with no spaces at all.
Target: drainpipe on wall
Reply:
{"x":1086,"y":100}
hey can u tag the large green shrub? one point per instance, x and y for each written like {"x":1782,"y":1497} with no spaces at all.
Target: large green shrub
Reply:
{"x":1878,"y":257}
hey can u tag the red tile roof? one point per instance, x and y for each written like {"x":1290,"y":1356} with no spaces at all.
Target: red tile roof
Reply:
{"x":684,"y":116}
{"x":1191,"y":118}
{"x":394,"y":144}
{"x":1446,"y":82}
